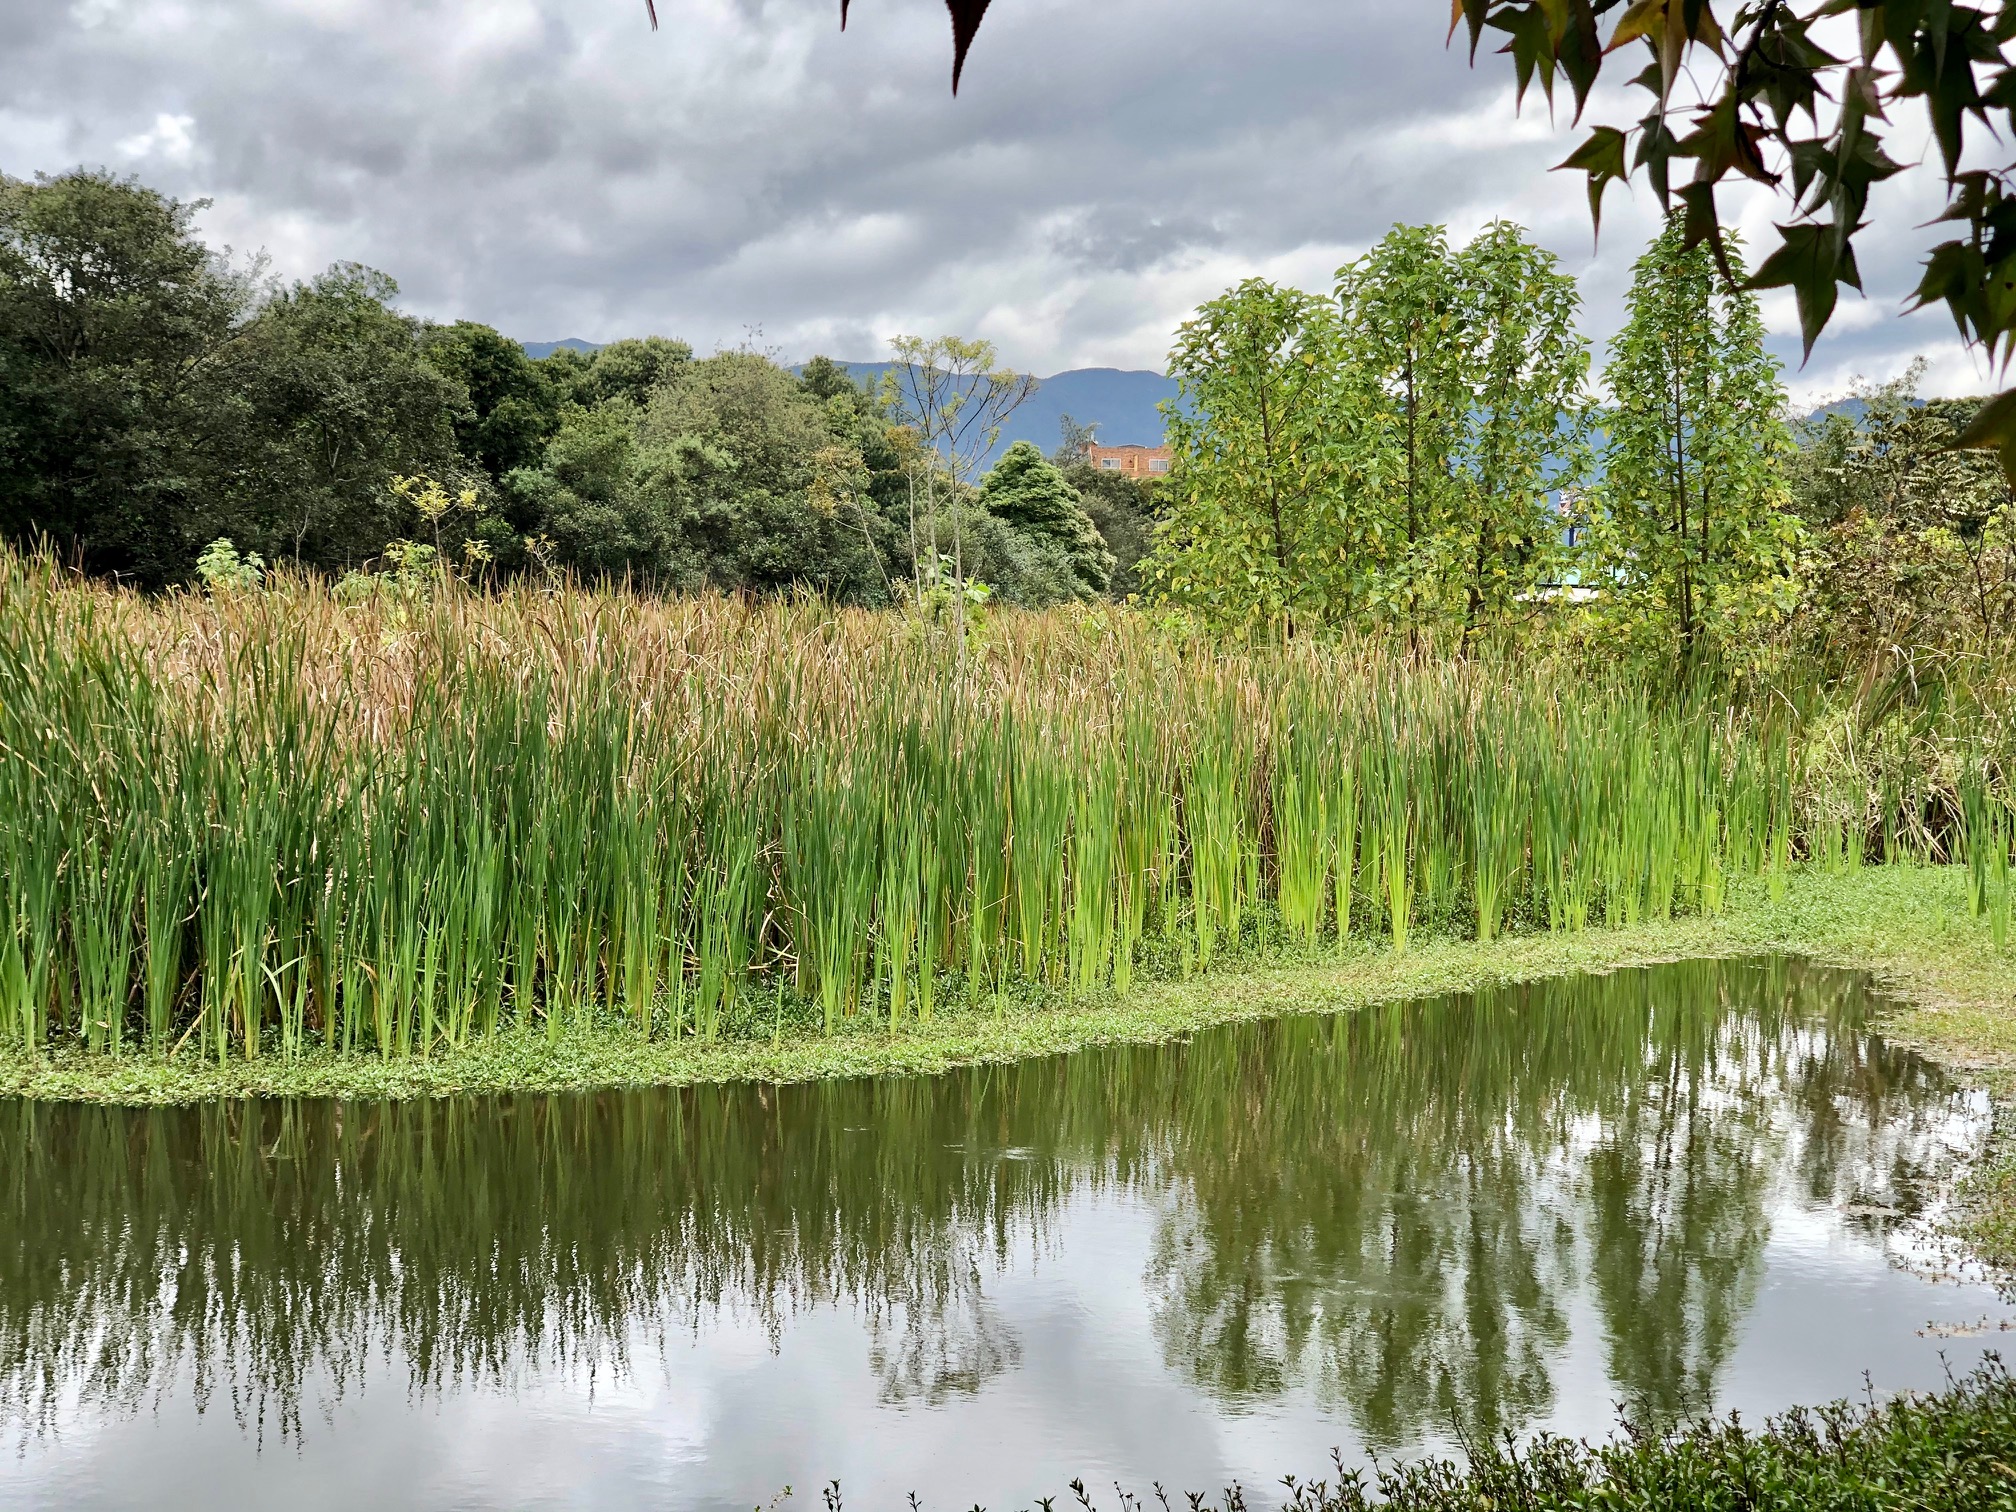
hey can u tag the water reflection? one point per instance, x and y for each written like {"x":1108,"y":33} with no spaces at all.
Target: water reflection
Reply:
{"x":1395,"y":1210}
{"x":1399,"y":1203}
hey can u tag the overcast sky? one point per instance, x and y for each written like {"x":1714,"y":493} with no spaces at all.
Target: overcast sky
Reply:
{"x":555,"y":168}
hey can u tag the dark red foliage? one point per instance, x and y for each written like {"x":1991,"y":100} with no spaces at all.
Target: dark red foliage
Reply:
{"x":966,"y":16}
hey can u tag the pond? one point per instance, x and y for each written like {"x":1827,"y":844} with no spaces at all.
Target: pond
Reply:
{"x":1672,"y":1190}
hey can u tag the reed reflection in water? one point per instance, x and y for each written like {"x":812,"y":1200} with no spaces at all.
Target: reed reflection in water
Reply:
{"x":1398,"y":1214}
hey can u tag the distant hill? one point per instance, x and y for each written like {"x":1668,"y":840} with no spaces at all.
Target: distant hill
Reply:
{"x":1120,"y":401}
{"x":537,"y":349}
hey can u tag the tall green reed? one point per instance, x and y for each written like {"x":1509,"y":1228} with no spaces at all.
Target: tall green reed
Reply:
{"x":271,"y":822}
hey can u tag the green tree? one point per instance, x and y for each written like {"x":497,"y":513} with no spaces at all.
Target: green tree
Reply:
{"x":889,"y":457}
{"x":514,"y":408}
{"x":1523,"y":427}
{"x":1914,"y":542}
{"x":1031,"y":496}
{"x":825,"y":380}
{"x":568,"y":373}
{"x":1002,"y":562}
{"x":589,"y":496}
{"x":154,"y":400}
{"x":1267,"y":436}
{"x":328,"y":394}
{"x":1692,"y":538}
{"x":1405,"y":326}
{"x":631,"y":369}
{"x":628,"y":370}
{"x":113,"y":321}
{"x":732,"y":445}
{"x":1390,"y":455}
{"x":1123,"y":510}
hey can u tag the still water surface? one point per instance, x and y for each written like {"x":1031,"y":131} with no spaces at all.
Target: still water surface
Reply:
{"x":1678,"y":1189}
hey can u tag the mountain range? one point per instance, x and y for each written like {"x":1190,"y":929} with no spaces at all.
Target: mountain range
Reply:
{"x":1120,"y":401}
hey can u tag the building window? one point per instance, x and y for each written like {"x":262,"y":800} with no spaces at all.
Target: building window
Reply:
{"x":1158,"y":464}
{"x":1111,"y":464}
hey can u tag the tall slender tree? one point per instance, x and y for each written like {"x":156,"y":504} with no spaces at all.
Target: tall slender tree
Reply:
{"x":1404,"y":324}
{"x":1256,"y":528}
{"x":1524,"y":429}
{"x":1388,"y":456}
{"x":956,"y":396}
{"x":1693,"y":536}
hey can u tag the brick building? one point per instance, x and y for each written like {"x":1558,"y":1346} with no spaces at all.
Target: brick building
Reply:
{"x":1135,"y":461}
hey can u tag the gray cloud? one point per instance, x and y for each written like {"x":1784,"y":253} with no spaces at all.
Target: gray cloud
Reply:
{"x":554,"y":168}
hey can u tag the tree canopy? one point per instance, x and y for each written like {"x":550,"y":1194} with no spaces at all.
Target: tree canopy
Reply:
{"x":1415,"y":449}
{"x":1390,"y":452}
{"x":164,"y":412}
{"x":1692,"y":541}
{"x":155,"y":398}
{"x":1027,"y":492}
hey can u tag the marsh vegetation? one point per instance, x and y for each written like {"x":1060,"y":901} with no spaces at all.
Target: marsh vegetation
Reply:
{"x":245,"y":823}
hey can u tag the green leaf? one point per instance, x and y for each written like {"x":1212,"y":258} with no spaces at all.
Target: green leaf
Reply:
{"x":1993,"y":428}
{"x":1531,"y":48}
{"x":1806,"y":261}
{"x":1580,"y":52}
{"x":1602,"y":158}
{"x":1701,"y":223}
{"x":1474,"y":12}
{"x":1724,"y":141}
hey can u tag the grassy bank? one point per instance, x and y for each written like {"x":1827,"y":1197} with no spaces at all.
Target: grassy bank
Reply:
{"x":1909,"y":926}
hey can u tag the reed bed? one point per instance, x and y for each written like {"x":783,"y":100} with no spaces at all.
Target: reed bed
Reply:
{"x":250,"y":824}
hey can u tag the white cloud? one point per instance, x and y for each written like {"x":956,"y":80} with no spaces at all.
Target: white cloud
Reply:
{"x":558,"y":169}
{"x":171,"y":139}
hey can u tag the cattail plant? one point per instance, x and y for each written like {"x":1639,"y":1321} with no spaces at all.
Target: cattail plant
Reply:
{"x":267,"y":822}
